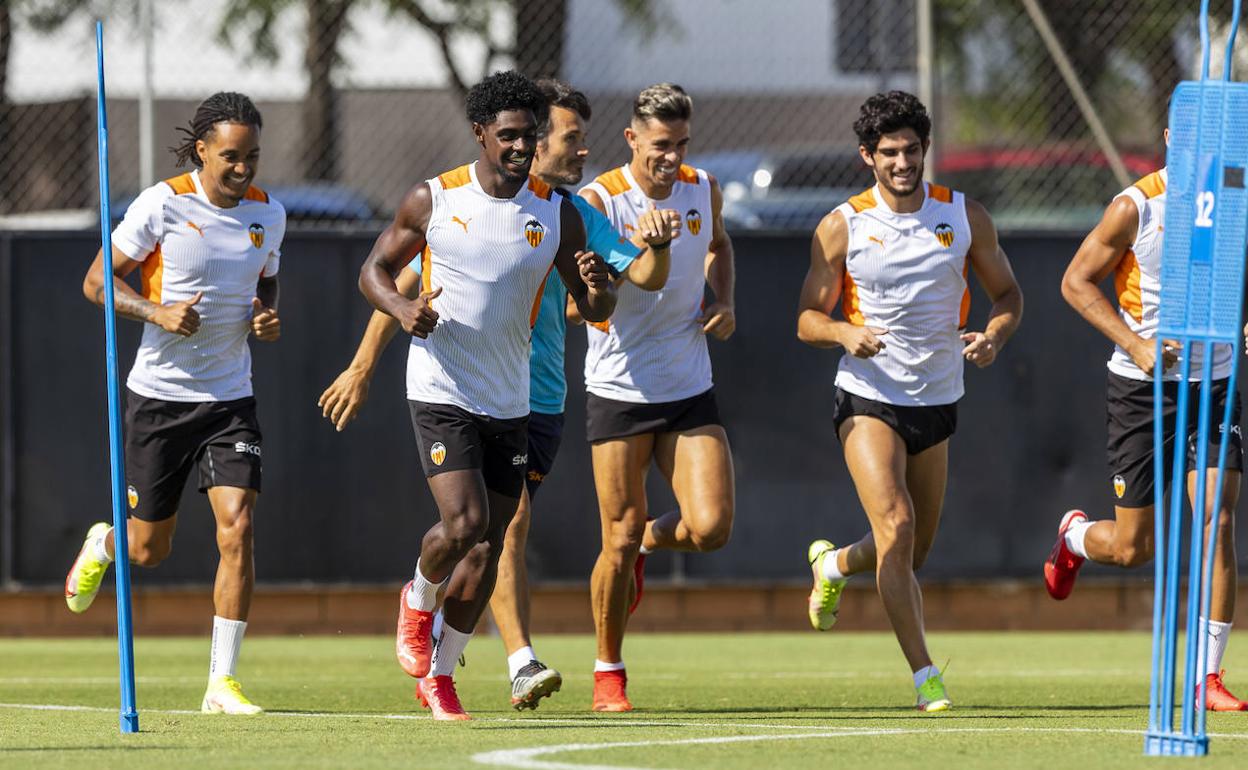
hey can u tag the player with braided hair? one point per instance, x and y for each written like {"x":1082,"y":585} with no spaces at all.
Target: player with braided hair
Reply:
{"x":207,"y":246}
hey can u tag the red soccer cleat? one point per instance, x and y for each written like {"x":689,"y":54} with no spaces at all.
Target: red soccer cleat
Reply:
{"x":1063,"y":565}
{"x":437,"y":693}
{"x":639,"y":578}
{"x":413,"y":642}
{"x":609,"y":695}
{"x":1217,"y":697}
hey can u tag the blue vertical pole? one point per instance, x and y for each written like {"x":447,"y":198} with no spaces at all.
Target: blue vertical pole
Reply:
{"x":129,"y":714}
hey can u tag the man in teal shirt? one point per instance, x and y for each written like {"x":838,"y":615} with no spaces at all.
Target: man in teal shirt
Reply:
{"x":644,"y":260}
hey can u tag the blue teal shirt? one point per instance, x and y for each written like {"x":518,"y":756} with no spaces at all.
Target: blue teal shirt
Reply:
{"x":548,"y":388}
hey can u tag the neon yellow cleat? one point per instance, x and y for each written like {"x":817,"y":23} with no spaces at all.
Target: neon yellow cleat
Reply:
{"x":825,"y":596}
{"x":932,"y":695}
{"x":85,"y":576}
{"x":225,"y":696}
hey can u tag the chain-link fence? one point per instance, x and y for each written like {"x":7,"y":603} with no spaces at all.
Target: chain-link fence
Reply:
{"x":1043,"y":108}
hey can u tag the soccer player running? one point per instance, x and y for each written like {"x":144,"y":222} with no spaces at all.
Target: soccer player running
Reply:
{"x":487,"y":234}
{"x":1127,"y":243}
{"x":648,"y":377}
{"x":896,"y":258}
{"x":207,"y":245}
{"x":559,"y":161}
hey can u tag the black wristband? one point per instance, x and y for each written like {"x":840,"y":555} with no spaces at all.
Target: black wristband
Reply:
{"x":663,"y":245}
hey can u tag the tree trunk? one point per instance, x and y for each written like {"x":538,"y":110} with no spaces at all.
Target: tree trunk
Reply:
{"x":539,"y":37}
{"x":326,"y":21}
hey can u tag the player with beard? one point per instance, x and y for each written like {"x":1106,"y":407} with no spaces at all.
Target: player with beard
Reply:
{"x":896,"y":258}
{"x":559,"y":161}
{"x":487,"y":234}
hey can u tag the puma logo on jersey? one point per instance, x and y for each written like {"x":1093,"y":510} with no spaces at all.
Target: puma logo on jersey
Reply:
{"x":461,"y":222}
{"x":873,"y":239}
{"x":196,"y":228}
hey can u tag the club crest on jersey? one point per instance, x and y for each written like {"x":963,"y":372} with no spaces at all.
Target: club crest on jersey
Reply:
{"x":534,"y":231}
{"x":437,"y":453}
{"x":132,"y":497}
{"x":693,"y":219}
{"x":256,"y":231}
{"x":1120,"y":486}
{"x":944,"y":234}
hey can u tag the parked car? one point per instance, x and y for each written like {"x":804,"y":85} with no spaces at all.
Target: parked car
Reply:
{"x":1048,"y":187}
{"x":305,"y":204}
{"x":784,"y":188}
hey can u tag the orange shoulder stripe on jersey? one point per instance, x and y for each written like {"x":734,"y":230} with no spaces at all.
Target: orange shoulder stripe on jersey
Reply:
{"x":849,"y":301}
{"x":256,"y":194}
{"x":964,"y":313}
{"x":426,"y":262}
{"x":602,"y":326}
{"x":687,"y":174}
{"x":940,"y":193}
{"x":537,"y":301}
{"x":152,"y":275}
{"x":1151,"y":185}
{"x":455,"y":178}
{"x":1127,"y":286}
{"x":539,"y":188}
{"x":863,"y":201}
{"x":614,"y":181}
{"x":182,"y":185}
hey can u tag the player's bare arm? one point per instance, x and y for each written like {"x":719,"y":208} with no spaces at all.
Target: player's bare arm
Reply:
{"x":1098,"y":256}
{"x":179,"y":318}
{"x":993,"y":271}
{"x":584,"y":273}
{"x":720,"y":317}
{"x":265,"y":323}
{"x":656,"y":228}
{"x":821,"y":292}
{"x":344,"y":398}
{"x":402,"y":240}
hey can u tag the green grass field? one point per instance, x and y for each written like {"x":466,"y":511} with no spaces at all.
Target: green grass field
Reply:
{"x":1070,"y":700}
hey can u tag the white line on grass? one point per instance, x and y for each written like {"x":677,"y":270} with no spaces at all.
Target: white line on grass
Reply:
{"x":528,"y":758}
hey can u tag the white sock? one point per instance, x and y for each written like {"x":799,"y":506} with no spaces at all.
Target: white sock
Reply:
{"x":600,"y":665}
{"x":1219,"y":634}
{"x":446,"y":652}
{"x":438,"y":620}
{"x":1075,"y":534}
{"x":644,"y":551}
{"x":830,"y":570}
{"x":925,"y":673}
{"x":518,"y":660}
{"x":227,"y":640}
{"x":424,"y":594}
{"x":100,"y":547}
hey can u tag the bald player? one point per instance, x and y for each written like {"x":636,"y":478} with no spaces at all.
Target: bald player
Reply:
{"x":896,"y":258}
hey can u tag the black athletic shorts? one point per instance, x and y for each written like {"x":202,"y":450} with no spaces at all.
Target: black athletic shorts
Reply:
{"x":1130,"y":420}
{"x":608,"y":418}
{"x":454,"y":439}
{"x":920,"y":427}
{"x":545,"y":435}
{"x":165,"y":439}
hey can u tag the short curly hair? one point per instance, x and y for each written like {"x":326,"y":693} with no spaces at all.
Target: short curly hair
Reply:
{"x":504,"y":91}
{"x":885,"y":113}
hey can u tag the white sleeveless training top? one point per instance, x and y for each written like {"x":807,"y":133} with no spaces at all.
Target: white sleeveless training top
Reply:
{"x":490,"y":256}
{"x":1137,"y":282}
{"x":652,"y":350}
{"x":907,"y":273}
{"x":187,"y":245}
